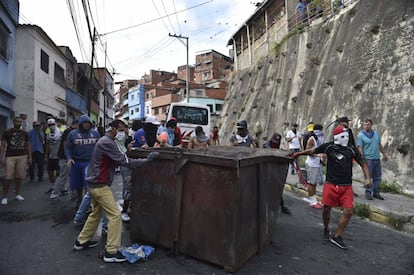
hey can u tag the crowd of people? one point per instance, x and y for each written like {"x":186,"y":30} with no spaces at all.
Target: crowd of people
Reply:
{"x":86,"y":159}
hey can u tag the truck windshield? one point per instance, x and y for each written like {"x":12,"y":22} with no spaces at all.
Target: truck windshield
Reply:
{"x":190,"y":115}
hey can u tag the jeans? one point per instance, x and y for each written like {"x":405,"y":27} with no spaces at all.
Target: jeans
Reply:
{"x":62,"y":179}
{"x":374,"y":166}
{"x":37,"y":159}
{"x":103,"y":202}
{"x":83,"y":208}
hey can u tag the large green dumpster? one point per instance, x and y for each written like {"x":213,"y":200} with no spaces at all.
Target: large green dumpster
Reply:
{"x":219,"y":205}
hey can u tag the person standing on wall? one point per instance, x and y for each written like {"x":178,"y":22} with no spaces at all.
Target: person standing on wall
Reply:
{"x":370,"y":147}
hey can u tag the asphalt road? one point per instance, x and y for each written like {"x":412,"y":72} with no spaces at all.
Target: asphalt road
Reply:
{"x":37,"y":235}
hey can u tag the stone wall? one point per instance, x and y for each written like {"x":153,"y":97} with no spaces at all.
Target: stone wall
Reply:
{"x":359,"y":63}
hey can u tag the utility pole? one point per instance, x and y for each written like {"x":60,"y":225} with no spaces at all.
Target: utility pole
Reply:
{"x":187,"y":77}
{"x":104,"y":91}
{"x":91,"y":73}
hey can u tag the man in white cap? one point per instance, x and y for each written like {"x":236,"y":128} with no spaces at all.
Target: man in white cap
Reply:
{"x":52,"y":144}
{"x":337,"y":190}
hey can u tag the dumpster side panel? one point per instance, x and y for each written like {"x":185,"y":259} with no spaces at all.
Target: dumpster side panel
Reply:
{"x":271,"y":183}
{"x":218,"y":222}
{"x":153,"y":202}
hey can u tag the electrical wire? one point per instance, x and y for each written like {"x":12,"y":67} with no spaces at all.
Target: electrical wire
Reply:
{"x":169,"y":20}
{"x":156,"y":19}
{"x":159,"y":14}
{"x":176,"y":17}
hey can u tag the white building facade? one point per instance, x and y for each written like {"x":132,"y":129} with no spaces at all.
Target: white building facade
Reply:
{"x":40,"y":75}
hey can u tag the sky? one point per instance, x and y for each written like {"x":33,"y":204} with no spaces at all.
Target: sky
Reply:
{"x":136,"y":32}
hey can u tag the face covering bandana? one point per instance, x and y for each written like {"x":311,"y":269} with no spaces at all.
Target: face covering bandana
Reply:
{"x":120,"y":136}
{"x":341,"y":139}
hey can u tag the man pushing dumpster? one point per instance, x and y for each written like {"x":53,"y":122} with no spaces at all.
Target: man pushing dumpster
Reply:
{"x":100,"y":171}
{"x":337,"y":190}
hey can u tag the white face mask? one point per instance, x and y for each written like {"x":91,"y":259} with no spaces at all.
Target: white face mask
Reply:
{"x":52,"y":127}
{"x":120,"y":135}
{"x":342,"y":139}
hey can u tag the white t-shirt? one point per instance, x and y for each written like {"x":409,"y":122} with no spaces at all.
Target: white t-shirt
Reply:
{"x":313,"y":161}
{"x":294,"y":143}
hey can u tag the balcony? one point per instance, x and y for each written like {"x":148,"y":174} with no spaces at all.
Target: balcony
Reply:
{"x":76,"y":101}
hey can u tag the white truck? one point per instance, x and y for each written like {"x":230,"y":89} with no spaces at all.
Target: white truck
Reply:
{"x":189,"y":116}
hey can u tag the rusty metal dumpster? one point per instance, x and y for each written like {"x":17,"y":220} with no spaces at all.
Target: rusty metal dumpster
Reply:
{"x":219,"y":205}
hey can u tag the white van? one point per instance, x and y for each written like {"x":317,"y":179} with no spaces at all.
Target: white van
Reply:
{"x":189,"y":116}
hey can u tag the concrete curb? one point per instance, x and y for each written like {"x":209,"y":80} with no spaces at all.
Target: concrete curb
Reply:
{"x":397,"y":220}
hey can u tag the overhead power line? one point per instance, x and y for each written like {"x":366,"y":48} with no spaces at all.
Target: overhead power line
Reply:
{"x":156,"y":19}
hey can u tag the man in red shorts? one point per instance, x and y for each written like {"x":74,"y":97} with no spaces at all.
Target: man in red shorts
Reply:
{"x":337,"y":190}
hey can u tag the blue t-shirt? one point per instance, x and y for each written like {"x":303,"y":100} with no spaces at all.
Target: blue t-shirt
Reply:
{"x":370,"y":146}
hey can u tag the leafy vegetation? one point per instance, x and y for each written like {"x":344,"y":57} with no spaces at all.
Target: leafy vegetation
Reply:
{"x":362,"y":210}
{"x":277,"y":47}
{"x":391,"y":187}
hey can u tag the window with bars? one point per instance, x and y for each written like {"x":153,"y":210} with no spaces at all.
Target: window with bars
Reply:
{"x":44,"y":61}
{"x":59,"y":75}
{"x":5,"y":42}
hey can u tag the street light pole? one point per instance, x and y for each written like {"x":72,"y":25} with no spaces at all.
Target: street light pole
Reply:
{"x":187,"y":76}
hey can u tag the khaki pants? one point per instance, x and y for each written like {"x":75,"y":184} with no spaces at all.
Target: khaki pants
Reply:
{"x":103,"y":200}
{"x":16,"y":167}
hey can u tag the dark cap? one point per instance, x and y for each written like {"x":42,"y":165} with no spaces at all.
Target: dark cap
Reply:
{"x":294,"y":124}
{"x":318,"y":127}
{"x":343,"y":119}
{"x":242,"y":124}
{"x":36,"y":123}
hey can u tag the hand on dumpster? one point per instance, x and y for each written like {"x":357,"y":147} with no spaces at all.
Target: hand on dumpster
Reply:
{"x":295,"y":155}
{"x":152,"y":155}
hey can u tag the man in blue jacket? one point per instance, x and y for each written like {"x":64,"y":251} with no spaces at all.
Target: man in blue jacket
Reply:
{"x":79,"y":147}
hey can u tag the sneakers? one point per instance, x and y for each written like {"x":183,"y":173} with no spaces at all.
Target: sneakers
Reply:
{"x":54,"y":196}
{"x":368,"y":196}
{"x":113,"y":258}
{"x":49,"y":191}
{"x":4,"y":201}
{"x":338,"y":242}
{"x":89,"y":244}
{"x":79,"y":222}
{"x":285,"y":210}
{"x":125,"y":217}
{"x":326,"y":235}
{"x":19,"y":198}
{"x":378,"y":196}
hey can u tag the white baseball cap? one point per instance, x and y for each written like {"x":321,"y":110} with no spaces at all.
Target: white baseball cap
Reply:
{"x":51,"y":121}
{"x":151,"y":119}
